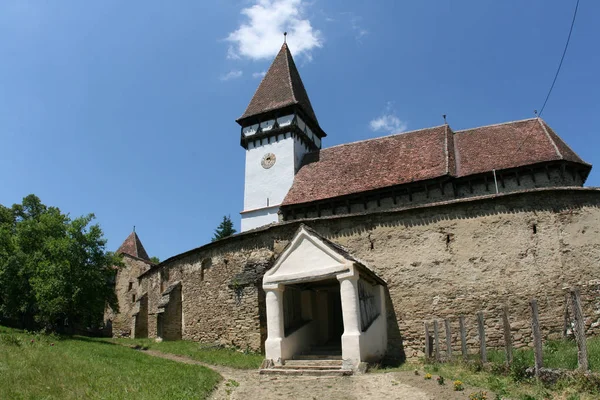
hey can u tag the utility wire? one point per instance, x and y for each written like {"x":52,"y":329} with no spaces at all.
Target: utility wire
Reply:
{"x":562,"y":58}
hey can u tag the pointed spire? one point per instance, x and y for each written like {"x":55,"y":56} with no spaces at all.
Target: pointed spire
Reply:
{"x":133,"y":247}
{"x":281,"y":87}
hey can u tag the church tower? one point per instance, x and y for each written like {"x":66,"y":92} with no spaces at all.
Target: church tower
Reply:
{"x":278,"y":128}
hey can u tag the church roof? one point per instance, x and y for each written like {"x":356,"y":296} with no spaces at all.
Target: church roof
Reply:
{"x":133,"y":247}
{"x":425,"y":154}
{"x":281,"y":87}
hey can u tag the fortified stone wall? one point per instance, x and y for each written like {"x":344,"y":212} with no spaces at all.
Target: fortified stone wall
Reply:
{"x":439,"y":261}
{"x":126,"y":288}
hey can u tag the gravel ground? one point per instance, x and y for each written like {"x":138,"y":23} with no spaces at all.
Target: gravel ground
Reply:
{"x":249,"y":385}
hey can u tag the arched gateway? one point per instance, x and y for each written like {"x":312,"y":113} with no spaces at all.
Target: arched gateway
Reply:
{"x":319,"y":296}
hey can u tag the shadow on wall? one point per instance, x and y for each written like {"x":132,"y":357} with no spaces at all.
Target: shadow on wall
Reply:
{"x":395,"y":354}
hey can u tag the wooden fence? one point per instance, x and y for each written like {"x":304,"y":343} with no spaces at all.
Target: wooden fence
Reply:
{"x":578,"y":331}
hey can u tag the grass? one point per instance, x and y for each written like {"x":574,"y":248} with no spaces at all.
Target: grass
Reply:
{"x":557,"y":354}
{"x":38,"y":366}
{"x":198,"y":351}
{"x":510,"y":383}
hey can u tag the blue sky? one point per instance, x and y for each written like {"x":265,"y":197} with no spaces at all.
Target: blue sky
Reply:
{"x":127,"y":109}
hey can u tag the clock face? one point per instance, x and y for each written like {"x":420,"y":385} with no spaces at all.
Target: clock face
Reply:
{"x":268,"y":160}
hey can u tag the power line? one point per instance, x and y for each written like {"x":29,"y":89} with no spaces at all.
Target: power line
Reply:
{"x":562,"y":58}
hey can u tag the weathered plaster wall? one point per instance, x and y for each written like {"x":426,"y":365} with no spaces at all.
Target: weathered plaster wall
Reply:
{"x":439,"y":261}
{"x":126,"y":287}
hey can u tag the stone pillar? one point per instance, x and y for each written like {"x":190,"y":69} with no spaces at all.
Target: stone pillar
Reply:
{"x":275,"y":329}
{"x":351,"y":317}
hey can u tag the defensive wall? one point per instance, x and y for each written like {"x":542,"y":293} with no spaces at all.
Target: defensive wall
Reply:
{"x":439,"y":261}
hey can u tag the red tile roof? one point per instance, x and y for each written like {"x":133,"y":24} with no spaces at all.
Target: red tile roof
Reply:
{"x":133,"y":246}
{"x":509,"y":145}
{"x":424,"y":154}
{"x":281,"y":87}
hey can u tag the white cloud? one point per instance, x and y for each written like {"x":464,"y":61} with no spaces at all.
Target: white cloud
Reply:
{"x":261,"y":35}
{"x":260,"y":74}
{"x":388,"y":122}
{"x":234,"y":74}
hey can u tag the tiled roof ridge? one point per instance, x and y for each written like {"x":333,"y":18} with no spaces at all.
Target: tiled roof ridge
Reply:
{"x":550,"y":139}
{"x":287,"y":62}
{"x":381,"y":137}
{"x":498,"y":124}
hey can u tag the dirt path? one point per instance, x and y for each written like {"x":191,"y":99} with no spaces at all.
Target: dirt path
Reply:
{"x":249,"y":385}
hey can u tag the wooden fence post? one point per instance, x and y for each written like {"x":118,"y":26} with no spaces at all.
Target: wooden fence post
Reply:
{"x":582,"y":357}
{"x":448,"y":340}
{"x":507,"y":336}
{"x":537,"y":337}
{"x":436,"y":339}
{"x":567,"y":322}
{"x":481,"y":326}
{"x":463,"y":336}
{"x":427,"y":347}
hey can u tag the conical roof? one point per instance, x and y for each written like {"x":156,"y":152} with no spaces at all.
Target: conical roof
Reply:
{"x":281,"y":87}
{"x":133,"y":247}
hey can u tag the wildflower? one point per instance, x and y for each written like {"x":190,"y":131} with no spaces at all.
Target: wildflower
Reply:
{"x":427,"y":376}
{"x":458,"y":386}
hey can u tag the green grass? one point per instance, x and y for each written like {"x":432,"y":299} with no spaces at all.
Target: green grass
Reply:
{"x":37,"y":366}
{"x":201,"y":352}
{"x":557,"y":354}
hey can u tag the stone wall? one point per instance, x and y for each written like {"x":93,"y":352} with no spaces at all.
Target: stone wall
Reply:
{"x":439,"y":261}
{"x":127,"y":291}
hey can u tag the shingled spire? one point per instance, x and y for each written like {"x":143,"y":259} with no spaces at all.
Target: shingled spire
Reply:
{"x":281,"y":88}
{"x":133,"y":247}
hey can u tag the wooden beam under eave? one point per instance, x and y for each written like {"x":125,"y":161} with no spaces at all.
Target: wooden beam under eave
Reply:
{"x":532,"y":171}
{"x":518,"y":178}
{"x":487,"y":184}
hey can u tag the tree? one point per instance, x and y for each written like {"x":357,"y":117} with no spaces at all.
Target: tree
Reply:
{"x":224,"y":229}
{"x":155,"y":259}
{"x":53,"y":269}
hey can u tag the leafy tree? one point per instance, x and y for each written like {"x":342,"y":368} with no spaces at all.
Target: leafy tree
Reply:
{"x":53,"y":269}
{"x":224,"y":229}
{"x":155,"y":259}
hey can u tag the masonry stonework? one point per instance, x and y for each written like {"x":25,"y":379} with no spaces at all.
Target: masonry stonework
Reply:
{"x":126,"y":289}
{"x":439,"y":261}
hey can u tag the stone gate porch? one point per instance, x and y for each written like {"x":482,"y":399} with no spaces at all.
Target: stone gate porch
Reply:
{"x":319,"y":295}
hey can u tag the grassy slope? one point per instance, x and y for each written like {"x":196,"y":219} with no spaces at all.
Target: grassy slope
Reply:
{"x":200,"y":352}
{"x":75,"y":368}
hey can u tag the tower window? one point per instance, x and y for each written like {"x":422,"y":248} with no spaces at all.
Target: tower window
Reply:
{"x":133,"y":298}
{"x":130,"y":285}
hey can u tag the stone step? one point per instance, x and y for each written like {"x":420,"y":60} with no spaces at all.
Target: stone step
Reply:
{"x":315,"y":363}
{"x":305,"y":372}
{"x":317,"y":357}
{"x":311,"y":367}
